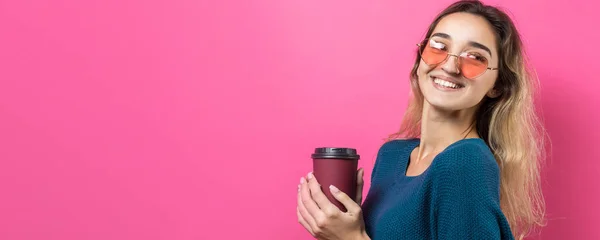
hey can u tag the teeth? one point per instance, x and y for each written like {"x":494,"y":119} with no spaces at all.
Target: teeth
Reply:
{"x":445,"y":83}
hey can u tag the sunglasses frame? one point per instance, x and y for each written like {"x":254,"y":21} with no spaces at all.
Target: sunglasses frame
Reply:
{"x":420,"y":45}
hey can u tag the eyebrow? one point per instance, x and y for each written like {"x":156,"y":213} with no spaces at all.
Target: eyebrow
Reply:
{"x":471,"y":43}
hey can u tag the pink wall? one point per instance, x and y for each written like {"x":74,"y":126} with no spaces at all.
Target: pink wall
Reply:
{"x":130,"y":119}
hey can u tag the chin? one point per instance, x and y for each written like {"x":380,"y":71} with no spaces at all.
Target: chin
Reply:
{"x":445,"y":106}
{"x":445,"y":100}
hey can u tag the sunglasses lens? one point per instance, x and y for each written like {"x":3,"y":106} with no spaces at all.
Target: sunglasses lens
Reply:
{"x":432,"y":56}
{"x":473,"y":66}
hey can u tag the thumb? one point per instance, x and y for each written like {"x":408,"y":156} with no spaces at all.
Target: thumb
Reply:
{"x":350,"y":205}
{"x":359,"y":185}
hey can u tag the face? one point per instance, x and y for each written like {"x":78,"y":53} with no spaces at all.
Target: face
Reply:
{"x":447,"y":85}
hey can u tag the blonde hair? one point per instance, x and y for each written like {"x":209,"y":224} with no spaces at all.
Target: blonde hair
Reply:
{"x":507,"y":123}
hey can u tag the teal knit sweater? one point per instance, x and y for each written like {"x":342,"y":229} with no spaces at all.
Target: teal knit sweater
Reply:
{"x":457,"y":197}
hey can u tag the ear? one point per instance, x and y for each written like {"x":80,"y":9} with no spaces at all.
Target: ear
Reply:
{"x":493,"y":93}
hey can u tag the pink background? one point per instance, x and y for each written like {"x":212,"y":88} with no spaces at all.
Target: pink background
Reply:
{"x":130,"y":119}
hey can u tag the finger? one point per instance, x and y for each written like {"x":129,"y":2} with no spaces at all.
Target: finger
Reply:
{"x":319,"y":197}
{"x":311,"y":206}
{"x":359,"y":185}
{"x":304,"y":213}
{"x":350,"y":205}
{"x":304,"y":223}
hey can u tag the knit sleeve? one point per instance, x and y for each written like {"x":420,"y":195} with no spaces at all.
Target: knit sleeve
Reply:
{"x":467,"y":196}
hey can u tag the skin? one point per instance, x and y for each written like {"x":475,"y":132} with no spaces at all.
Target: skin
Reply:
{"x":447,"y":117}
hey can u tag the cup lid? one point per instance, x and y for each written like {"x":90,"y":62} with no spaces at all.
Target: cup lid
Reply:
{"x":334,"y":152}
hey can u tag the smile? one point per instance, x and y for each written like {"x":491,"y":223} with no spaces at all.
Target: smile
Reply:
{"x":446,"y":85}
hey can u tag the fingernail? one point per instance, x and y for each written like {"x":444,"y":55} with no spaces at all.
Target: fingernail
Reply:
{"x":333,"y":189}
{"x":310,"y":175}
{"x":302,"y":180}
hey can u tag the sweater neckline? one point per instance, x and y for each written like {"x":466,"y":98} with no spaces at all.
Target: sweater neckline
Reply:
{"x":416,"y":142}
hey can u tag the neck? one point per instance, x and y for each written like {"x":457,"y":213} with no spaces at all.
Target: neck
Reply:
{"x":441,"y":128}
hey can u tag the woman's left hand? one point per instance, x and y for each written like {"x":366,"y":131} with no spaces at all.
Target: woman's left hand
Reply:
{"x":322,"y":218}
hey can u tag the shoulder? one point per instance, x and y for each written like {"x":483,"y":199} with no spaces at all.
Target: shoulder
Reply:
{"x":468,"y":165}
{"x":390,"y":156}
{"x":467,"y":169}
{"x":468,"y":156}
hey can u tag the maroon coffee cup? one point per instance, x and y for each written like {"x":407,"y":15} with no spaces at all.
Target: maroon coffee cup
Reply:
{"x":337,"y":167}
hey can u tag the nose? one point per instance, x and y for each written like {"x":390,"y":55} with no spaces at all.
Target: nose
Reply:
{"x":451,"y":64}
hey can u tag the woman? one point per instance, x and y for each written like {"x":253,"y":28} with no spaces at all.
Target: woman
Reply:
{"x":467,"y":165}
